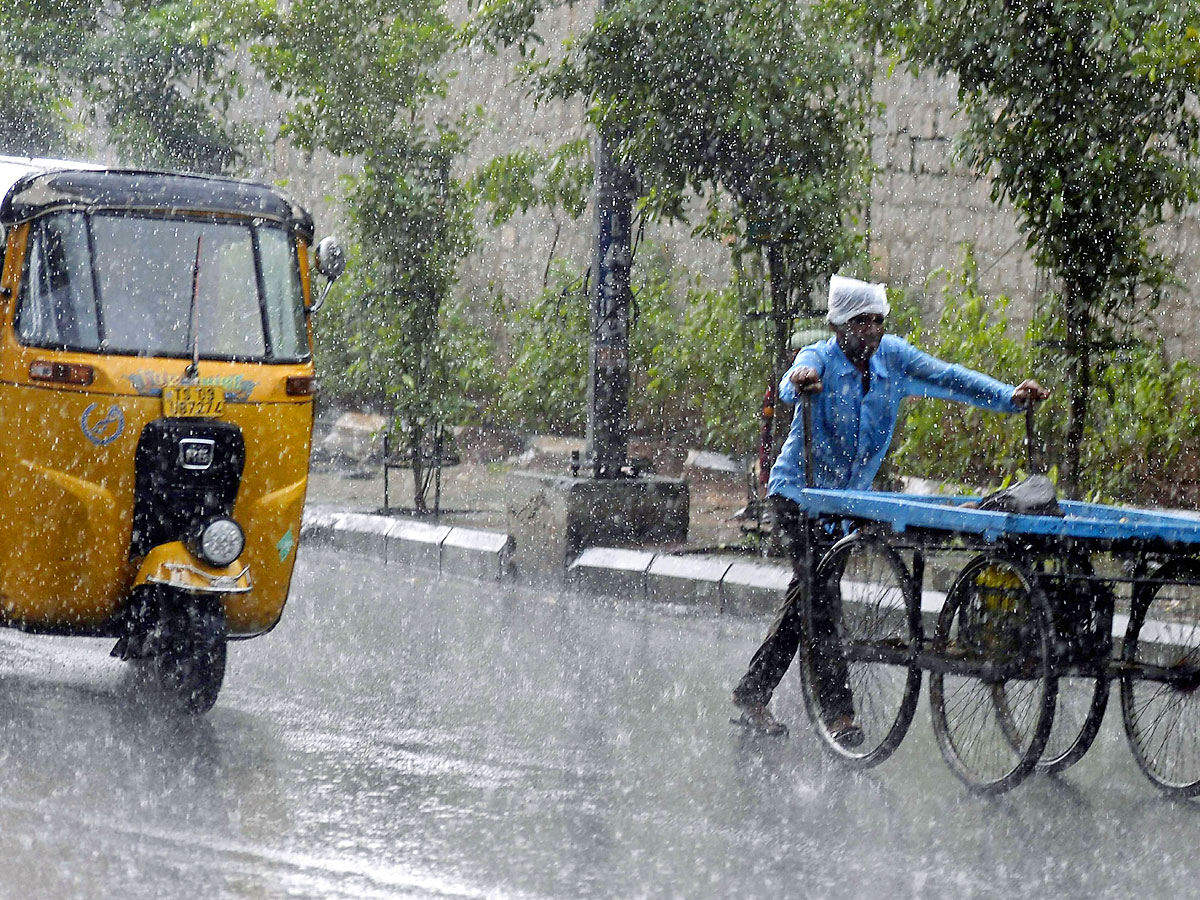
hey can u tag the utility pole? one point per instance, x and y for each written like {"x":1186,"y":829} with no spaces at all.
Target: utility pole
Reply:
{"x":608,"y":357}
{"x":552,"y":518}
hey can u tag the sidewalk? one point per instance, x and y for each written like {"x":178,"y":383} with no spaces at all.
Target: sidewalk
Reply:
{"x":719,"y":567}
{"x":473,"y":495}
{"x":716,"y":572}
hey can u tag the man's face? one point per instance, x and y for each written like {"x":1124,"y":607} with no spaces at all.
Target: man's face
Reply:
{"x":859,"y":337}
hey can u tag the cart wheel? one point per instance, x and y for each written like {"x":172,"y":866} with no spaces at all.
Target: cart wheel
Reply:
{"x":1078,"y":713}
{"x":1083,"y":627}
{"x":877,"y":622}
{"x":1160,"y":684}
{"x":189,"y":657}
{"x":992,"y":688}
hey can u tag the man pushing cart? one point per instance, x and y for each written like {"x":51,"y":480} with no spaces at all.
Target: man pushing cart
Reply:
{"x":858,"y":377}
{"x":1023,"y":650}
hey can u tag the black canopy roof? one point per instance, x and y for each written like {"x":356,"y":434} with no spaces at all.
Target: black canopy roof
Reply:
{"x":41,"y":192}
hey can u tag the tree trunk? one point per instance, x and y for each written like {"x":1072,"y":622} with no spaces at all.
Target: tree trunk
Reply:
{"x":1078,"y":304}
{"x":415,"y":435}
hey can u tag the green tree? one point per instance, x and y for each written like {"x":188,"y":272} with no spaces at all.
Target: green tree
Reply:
{"x":706,"y":373}
{"x":1083,"y":113}
{"x":697,"y":367}
{"x":154,"y":72}
{"x":559,"y":180}
{"x":362,"y":77}
{"x":746,"y":100}
{"x":544,"y":386}
{"x":32,"y":119}
{"x":162,"y":76}
{"x":34,"y":83}
{"x":749,"y":105}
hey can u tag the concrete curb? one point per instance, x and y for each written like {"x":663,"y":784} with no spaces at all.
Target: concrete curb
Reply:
{"x":687,"y":579}
{"x":611,"y":571}
{"x":460,"y":552}
{"x":708,"y":582}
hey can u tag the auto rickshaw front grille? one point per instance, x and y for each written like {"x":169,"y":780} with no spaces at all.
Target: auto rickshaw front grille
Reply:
{"x":188,"y":470}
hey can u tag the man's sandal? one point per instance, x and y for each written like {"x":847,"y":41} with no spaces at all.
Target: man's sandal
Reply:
{"x":756,"y":717}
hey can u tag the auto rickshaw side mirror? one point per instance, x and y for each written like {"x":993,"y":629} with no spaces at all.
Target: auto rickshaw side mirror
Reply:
{"x":331,"y":262}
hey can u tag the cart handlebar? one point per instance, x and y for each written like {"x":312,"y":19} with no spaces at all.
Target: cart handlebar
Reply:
{"x":806,"y":412}
{"x":1033,"y":449}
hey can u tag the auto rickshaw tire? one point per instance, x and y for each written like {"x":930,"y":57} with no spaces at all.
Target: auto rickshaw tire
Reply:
{"x":189,"y":657}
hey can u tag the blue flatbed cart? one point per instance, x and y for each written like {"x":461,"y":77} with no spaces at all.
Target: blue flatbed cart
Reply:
{"x":1022,"y":652}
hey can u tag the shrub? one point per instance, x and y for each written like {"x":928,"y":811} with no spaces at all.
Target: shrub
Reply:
{"x":1143,"y":439}
{"x":697,"y":368}
{"x":544,"y":382}
{"x":953,"y":441}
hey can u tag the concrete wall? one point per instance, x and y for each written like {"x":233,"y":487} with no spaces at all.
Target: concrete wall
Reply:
{"x":923,"y":207}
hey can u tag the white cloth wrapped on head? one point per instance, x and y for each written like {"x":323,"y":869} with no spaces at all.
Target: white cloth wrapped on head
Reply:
{"x":849,"y":297}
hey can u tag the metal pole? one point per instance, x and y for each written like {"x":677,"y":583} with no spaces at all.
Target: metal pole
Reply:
{"x":437,"y":474}
{"x":1032,"y":448}
{"x":608,"y":357}
{"x":810,"y":477}
{"x":387,"y":507}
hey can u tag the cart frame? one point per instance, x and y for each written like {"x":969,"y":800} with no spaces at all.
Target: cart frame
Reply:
{"x":1023,"y":651}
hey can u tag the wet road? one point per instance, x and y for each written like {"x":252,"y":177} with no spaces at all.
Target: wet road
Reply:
{"x":394,"y":738}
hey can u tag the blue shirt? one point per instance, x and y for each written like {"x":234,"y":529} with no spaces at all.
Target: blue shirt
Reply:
{"x":852,"y":430}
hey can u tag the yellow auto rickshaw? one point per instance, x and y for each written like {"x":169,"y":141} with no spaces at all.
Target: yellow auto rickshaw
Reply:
{"x":156,"y":410}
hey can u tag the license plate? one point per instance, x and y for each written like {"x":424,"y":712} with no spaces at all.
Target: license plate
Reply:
{"x":185,"y":401}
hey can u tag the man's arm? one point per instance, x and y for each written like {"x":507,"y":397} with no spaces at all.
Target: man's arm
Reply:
{"x":928,"y":376}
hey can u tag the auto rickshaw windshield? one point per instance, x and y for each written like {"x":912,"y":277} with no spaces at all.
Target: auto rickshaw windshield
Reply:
{"x":124,"y":284}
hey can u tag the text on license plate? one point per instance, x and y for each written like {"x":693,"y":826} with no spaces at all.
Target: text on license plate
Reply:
{"x":183,"y":401}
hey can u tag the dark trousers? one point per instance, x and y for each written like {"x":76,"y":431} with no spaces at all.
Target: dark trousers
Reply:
{"x":772,"y":659}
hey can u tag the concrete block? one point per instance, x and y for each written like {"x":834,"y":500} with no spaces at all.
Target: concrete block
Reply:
{"x":354,"y":437}
{"x":482,"y":555}
{"x":686,"y":579}
{"x":754,"y":588}
{"x":931,"y":156}
{"x":611,"y":571}
{"x":361,"y":533}
{"x":553,"y":518}
{"x":537,"y":519}
{"x":416,"y":544}
{"x":932,"y":602}
{"x":626,"y":510}
{"x":706,"y":467}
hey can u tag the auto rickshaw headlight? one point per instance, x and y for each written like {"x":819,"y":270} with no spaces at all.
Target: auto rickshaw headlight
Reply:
{"x":219,"y":542}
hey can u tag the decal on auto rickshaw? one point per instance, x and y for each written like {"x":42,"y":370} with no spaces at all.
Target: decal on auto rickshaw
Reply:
{"x":149,"y":383}
{"x":285,"y":545}
{"x":104,"y":430}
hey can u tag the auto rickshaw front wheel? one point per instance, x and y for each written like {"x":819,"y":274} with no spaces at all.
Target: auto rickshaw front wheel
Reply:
{"x":190,"y":660}
{"x":180,"y":642}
